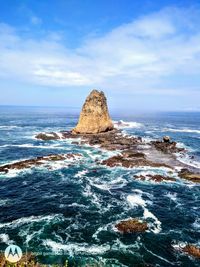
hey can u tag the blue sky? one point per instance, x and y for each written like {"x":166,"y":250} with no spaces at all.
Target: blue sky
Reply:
{"x":145,"y":55}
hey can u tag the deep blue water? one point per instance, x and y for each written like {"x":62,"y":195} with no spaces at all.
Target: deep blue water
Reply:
{"x":72,"y":209}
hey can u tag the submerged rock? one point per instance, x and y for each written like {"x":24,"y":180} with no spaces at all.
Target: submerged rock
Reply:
{"x":94,"y":117}
{"x":131,"y":226}
{"x":189,"y":175}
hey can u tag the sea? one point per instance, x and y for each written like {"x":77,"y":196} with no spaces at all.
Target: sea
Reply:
{"x":66,"y":213}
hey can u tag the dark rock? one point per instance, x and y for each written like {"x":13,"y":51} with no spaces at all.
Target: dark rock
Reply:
{"x":155,"y":178}
{"x":167,"y":147}
{"x":131,"y":226}
{"x":47,"y":136}
{"x":29,"y":163}
{"x":119,"y":160}
{"x":166,"y":139}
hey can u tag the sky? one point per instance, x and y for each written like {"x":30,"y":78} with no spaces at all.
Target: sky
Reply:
{"x":145,"y":55}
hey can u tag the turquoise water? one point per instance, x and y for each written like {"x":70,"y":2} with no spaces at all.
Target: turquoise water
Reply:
{"x":69,"y":211}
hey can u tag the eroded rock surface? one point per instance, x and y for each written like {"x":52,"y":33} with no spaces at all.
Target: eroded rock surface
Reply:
{"x":167,"y":146}
{"x":94,"y":117}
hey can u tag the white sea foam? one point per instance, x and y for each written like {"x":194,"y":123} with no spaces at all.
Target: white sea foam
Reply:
{"x":127,"y":124}
{"x":137,"y":200}
{"x":172,"y":196}
{"x":3,"y":202}
{"x":77,"y":248}
{"x":31,"y":219}
{"x":8,"y":127}
{"x":185,"y":158}
{"x":5,"y":238}
{"x":196,"y":224}
{"x":155,"y":227}
{"x":183,"y":130}
{"x":80,"y":174}
{"x":178,"y":245}
{"x":52,"y":146}
{"x":12,"y":173}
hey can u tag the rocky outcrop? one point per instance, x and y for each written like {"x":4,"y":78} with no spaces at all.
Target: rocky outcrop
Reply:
{"x":192,"y":250}
{"x":131,"y":226}
{"x":130,"y":160}
{"x":166,"y":139}
{"x":94,"y":117}
{"x":166,"y":146}
{"x":132,"y":152}
{"x":39,"y":161}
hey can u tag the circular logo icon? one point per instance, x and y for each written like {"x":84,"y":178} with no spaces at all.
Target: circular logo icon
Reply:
{"x":13,"y":253}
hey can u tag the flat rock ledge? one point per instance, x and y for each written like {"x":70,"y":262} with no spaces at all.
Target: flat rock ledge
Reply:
{"x":133,"y":225}
{"x":129,"y":160}
{"x":39,"y":161}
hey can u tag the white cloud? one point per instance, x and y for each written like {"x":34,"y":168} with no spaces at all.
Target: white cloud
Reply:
{"x":139,"y":55}
{"x":35,"y":20}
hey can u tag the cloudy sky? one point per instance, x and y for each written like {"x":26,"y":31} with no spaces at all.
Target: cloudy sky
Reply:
{"x":145,"y":55}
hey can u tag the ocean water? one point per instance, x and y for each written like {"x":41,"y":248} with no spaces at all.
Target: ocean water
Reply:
{"x":69,"y":211}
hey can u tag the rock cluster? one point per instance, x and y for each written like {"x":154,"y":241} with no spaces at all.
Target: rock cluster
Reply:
{"x":131,"y":226}
{"x":94,"y":117}
{"x":96,"y":128}
{"x":166,"y":146}
{"x":155,"y":178}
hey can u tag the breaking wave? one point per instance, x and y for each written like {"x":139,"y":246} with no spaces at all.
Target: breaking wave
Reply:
{"x":127,"y":124}
{"x":76,"y":248}
{"x":183,"y":130}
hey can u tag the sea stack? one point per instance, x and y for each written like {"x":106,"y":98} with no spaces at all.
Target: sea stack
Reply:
{"x":94,"y":117}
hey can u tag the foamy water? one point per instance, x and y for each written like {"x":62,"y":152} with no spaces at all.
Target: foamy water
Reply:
{"x":74,"y":205}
